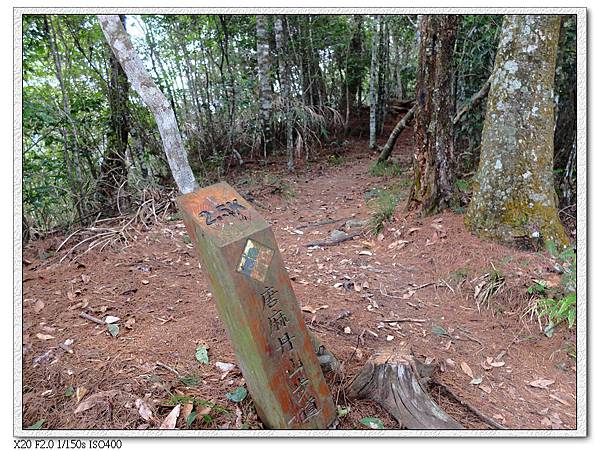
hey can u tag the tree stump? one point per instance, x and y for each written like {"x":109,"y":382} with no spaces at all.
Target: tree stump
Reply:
{"x":393,"y":381}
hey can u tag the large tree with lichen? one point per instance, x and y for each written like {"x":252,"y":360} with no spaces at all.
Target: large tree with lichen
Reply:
{"x":514,"y":199}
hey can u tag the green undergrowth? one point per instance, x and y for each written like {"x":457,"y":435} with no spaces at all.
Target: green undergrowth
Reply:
{"x":555,"y":303}
{"x":388,"y":168}
{"x":382,"y":203}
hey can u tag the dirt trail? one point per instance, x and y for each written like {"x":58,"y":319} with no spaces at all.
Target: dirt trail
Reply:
{"x":420,"y":271}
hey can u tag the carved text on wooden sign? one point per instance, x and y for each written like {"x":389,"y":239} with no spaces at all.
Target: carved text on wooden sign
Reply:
{"x":257,"y":305}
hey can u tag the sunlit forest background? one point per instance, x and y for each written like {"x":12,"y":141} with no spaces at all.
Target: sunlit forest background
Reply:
{"x":91,"y":148}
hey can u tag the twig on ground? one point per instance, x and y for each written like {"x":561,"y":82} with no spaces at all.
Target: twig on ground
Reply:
{"x":404,"y":320}
{"x":167,"y":367}
{"x":475,"y":411}
{"x":324,"y":222}
{"x":333,"y":242}
{"x":92,"y":318}
{"x":468,"y":335}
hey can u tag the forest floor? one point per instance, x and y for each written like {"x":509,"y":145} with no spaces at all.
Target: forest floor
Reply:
{"x":421,"y":271}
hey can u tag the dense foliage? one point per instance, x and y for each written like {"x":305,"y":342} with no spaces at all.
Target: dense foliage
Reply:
{"x":90,"y":146}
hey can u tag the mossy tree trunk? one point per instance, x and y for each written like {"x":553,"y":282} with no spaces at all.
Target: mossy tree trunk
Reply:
{"x":434,"y":153}
{"x":514,"y":199}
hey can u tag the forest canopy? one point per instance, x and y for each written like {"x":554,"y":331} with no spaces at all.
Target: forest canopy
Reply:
{"x":91,"y":147}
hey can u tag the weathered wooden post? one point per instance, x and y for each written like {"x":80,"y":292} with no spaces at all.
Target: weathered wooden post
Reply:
{"x":255,"y":299}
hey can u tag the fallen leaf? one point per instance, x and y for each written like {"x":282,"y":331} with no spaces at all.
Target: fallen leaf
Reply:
{"x":44,"y":336}
{"x":171,"y":420}
{"x":373,"y":423}
{"x":238,"y":418}
{"x":359,"y":354}
{"x":190,"y":418}
{"x":343,"y":411}
{"x":37,"y":424}
{"x":95,"y":399}
{"x":497,"y":364}
{"x":186,"y":410}
{"x":190,"y":381}
{"x":486,"y":388}
{"x":389,"y":337}
{"x":477,"y":380}
{"x":560,"y":400}
{"x":205,"y":411}
{"x":238,"y":395}
{"x":413,"y":230}
{"x":398,"y":244}
{"x":365,"y":253}
{"x":80,"y":393}
{"x":146,"y":282}
{"x":39,"y":305}
{"x":224,"y":366}
{"x":111,"y":319}
{"x":143,"y":409}
{"x":541,"y":383}
{"x":439,"y":331}
{"x":113,"y":329}
{"x":202,"y":354}
{"x":309,"y":309}
{"x":347,"y":330}
{"x":466,"y":369}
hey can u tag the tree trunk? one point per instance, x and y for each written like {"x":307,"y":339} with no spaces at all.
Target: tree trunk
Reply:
{"x":265,"y":96}
{"x":72,"y":165}
{"x":391,"y":142}
{"x":434,"y":157}
{"x":113,"y":167}
{"x":372,"y":92}
{"x":565,"y":138}
{"x":393,"y":381}
{"x":514,"y":199}
{"x":285,"y":81}
{"x":353,"y":70}
{"x":381,"y":75}
{"x":154,"y":99}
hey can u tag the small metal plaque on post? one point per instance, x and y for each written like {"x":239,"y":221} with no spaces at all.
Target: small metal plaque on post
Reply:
{"x":255,"y":300}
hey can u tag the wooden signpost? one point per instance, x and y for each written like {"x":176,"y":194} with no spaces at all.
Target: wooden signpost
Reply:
{"x":255,"y":299}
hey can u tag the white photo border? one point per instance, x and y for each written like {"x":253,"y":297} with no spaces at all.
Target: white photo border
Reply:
{"x":582,"y":322}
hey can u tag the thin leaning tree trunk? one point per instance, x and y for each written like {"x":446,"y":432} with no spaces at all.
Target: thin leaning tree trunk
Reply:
{"x":154,"y":99}
{"x":391,"y":142}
